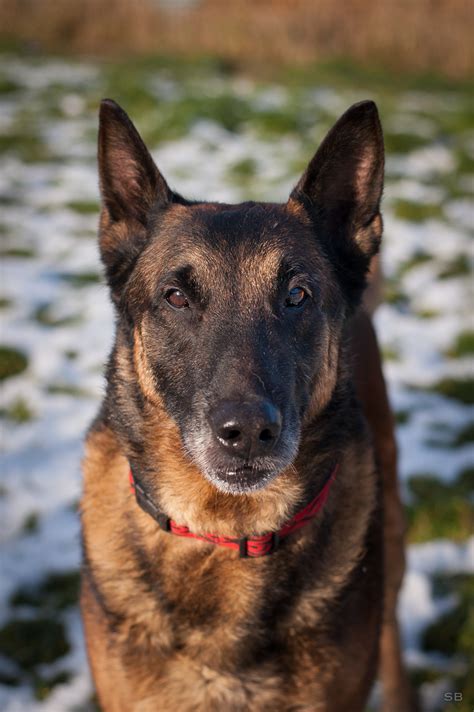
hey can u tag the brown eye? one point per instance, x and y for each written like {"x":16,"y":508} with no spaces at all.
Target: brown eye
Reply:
{"x":296,"y":297}
{"x":176,"y":299}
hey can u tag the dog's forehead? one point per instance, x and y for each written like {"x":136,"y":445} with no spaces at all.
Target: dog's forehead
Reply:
{"x":244,"y":239}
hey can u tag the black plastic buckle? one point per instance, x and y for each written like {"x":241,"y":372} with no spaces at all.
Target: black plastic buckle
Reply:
{"x":150,"y":508}
{"x":243,"y":547}
{"x":275,"y":543}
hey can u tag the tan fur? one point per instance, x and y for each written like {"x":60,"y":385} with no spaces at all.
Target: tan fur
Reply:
{"x":190,"y":681}
{"x":178,"y":623}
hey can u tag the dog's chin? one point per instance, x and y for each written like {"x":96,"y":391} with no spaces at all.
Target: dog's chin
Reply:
{"x":241,"y":480}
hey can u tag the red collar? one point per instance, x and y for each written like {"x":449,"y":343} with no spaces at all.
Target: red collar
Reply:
{"x":251,"y":546}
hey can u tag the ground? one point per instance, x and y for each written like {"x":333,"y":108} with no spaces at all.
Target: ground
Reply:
{"x":223,"y":137}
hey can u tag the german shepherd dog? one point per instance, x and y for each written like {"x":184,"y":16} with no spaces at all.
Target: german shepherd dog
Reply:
{"x":244,"y":567}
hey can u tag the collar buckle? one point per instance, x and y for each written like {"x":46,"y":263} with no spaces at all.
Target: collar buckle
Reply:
{"x":243,"y":553}
{"x":275,"y":543}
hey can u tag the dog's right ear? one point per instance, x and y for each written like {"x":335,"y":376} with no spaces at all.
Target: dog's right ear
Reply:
{"x":130,"y":182}
{"x":131,"y":187}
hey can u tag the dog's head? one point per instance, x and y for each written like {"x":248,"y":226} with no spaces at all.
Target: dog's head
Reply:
{"x":236,"y":311}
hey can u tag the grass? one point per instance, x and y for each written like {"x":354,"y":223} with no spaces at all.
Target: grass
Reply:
{"x":29,"y":643}
{"x":436,"y":509}
{"x":465,"y":436}
{"x":418,"y":258}
{"x":243,"y":170}
{"x":394,"y":295}
{"x":44,"y":315}
{"x":458,"y":267}
{"x":55,"y":592}
{"x":417,"y":212}
{"x":463,"y":346}
{"x":27,"y":146}
{"x":44,"y":685}
{"x":458,"y":389}
{"x":453,"y":634}
{"x":84,"y":207}
{"x":403,"y":142}
{"x":18,"y":252}
{"x":31,"y":524}
{"x":402,"y":417}
{"x":18,"y":412}
{"x":427,"y":313}
{"x":390,"y":353}
{"x":66,"y":389}
{"x":81,"y":279}
{"x":440,"y":510}
{"x":12,"y":362}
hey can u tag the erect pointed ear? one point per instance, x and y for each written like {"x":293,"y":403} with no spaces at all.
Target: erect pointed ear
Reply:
{"x":130,"y":183}
{"x":131,"y":188}
{"x":341,"y":190}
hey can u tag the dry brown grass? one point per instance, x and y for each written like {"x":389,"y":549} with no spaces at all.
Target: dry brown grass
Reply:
{"x":415,"y":35}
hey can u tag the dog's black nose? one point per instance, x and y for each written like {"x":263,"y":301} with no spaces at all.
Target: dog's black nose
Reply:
{"x":246,"y":429}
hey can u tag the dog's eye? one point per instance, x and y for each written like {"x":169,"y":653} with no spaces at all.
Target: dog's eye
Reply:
{"x":176,"y":299}
{"x":296,"y":297}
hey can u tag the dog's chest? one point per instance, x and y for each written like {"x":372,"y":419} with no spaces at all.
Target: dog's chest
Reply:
{"x":222,"y":637}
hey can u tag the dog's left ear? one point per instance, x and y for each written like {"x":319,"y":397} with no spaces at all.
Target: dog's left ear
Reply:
{"x":341,"y":190}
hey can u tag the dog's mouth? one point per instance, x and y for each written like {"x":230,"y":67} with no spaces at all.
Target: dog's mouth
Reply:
{"x":242,"y":479}
{"x":235,"y":475}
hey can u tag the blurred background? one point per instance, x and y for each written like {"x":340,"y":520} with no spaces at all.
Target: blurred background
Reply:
{"x":233,"y":99}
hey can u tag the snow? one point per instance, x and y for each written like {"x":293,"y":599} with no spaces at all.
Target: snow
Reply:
{"x":40,"y":470}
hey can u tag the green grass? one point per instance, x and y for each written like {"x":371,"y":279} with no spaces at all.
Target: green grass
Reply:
{"x":27,"y":146}
{"x":81,"y":279}
{"x":44,"y":315}
{"x":84,"y":207}
{"x":44,"y":685}
{"x":394,"y":295}
{"x":440,"y":510}
{"x":243,"y":170}
{"x":402,"y":417}
{"x":66,"y":389}
{"x":18,"y":252}
{"x":418,"y":258}
{"x":8,"y":86}
{"x":417,"y":212}
{"x":29,"y":643}
{"x":427,"y":313}
{"x":71,"y":354}
{"x":458,"y":267}
{"x":18,"y":412}
{"x":31,"y":523}
{"x":403,"y":142}
{"x":452,"y":634}
{"x":390,"y":353}
{"x":463,"y":346}
{"x":465,"y":436}
{"x":12,"y":362}
{"x":460,"y":389}
{"x":55,"y":592}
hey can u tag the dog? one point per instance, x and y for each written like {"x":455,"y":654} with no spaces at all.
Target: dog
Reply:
{"x":240,"y":490}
